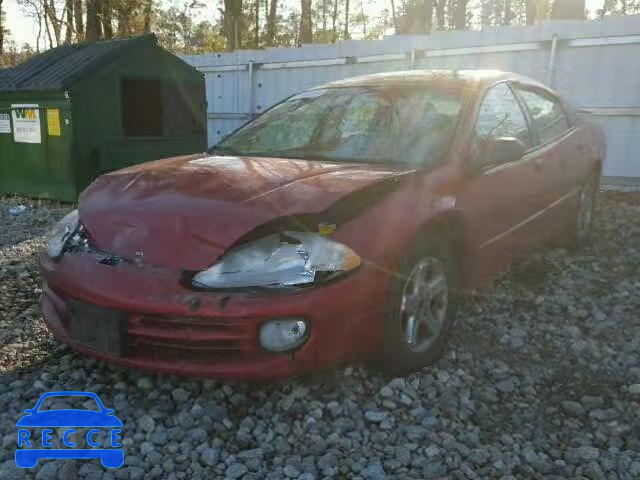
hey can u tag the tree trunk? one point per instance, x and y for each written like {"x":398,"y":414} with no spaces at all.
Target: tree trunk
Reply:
{"x":346,"y":19}
{"x":460,"y":15}
{"x":107,"y":19}
{"x":79,"y":19}
{"x":508,"y":13}
{"x":568,"y":10}
{"x":427,"y":10}
{"x":47,"y":30}
{"x":334,"y":21}
{"x":306,"y":27}
{"x":148,"y":9}
{"x":122,"y":15}
{"x":440,"y":4}
{"x":531,"y":12}
{"x":394,"y":17}
{"x":1,"y":31}
{"x":56,"y":23}
{"x":324,"y":17}
{"x":39,"y":17}
{"x":271,"y":23}
{"x":68,"y":36}
{"x":257,"y":25}
{"x":94,"y":29}
{"x":233,"y":24}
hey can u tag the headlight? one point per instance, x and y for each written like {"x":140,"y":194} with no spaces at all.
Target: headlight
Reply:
{"x":58,"y":237}
{"x":285,"y":259}
{"x":283,"y":335}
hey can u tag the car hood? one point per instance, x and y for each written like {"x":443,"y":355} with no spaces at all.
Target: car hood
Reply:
{"x":69,"y":418}
{"x":185,"y":212}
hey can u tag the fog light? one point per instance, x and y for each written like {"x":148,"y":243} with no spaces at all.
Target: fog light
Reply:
{"x":283,"y":334}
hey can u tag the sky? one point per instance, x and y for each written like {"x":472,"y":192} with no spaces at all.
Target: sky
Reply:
{"x":23,"y":29}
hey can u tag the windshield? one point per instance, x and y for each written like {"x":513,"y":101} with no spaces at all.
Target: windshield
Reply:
{"x":408,"y":125}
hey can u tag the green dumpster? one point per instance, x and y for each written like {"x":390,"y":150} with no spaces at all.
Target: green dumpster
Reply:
{"x":77,"y":111}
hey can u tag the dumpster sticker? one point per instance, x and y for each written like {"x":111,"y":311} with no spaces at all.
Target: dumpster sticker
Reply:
{"x":62,"y":432}
{"x":5,"y":123}
{"x":53,"y":122}
{"x":26,"y":123}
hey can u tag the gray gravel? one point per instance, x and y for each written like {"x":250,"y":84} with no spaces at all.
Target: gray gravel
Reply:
{"x":542,"y":381}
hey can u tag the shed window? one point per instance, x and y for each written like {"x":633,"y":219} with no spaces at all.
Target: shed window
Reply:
{"x":154,"y":108}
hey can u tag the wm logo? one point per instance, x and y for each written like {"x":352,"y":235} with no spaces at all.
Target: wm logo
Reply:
{"x":25,"y":114}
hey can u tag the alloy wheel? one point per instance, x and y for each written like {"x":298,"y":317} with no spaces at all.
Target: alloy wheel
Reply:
{"x":425,"y":301}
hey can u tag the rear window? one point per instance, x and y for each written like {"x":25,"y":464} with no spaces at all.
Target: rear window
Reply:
{"x":547,"y":114}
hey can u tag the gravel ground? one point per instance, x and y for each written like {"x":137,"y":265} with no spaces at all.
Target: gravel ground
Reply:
{"x":542,"y":381}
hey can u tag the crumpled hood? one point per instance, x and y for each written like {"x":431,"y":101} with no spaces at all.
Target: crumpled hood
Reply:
{"x":184,"y":212}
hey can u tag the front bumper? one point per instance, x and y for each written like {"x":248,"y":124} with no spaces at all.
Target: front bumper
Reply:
{"x":173,"y":329}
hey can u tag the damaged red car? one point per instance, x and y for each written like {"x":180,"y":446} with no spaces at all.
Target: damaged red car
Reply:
{"x":332,"y":228}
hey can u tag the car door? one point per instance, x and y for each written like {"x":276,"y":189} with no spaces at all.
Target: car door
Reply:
{"x":559,"y":150}
{"x":500,"y":199}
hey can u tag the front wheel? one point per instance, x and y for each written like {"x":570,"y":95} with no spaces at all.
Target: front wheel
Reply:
{"x":418,"y":320}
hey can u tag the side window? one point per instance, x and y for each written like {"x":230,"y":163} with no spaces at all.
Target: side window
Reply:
{"x":501,"y":116}
{"x":547,"y":114}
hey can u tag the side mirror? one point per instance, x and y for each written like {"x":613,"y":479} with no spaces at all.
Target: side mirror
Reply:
{"x":502,"y":150}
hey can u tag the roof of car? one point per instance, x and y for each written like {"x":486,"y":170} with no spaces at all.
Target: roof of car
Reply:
{"x":465,"y":78}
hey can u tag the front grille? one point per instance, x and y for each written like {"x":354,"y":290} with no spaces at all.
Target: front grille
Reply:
{"x":197,"y":339}
{"x":179,"y":338}
{"x":168,"y":353}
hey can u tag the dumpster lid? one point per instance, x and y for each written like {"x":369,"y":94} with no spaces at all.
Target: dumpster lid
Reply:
{"x":59,"y":67}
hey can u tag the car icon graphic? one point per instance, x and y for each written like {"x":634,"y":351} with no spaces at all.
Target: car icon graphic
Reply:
{"x":27,"y":457}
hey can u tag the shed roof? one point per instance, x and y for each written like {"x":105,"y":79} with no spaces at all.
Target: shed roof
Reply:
{"x":59,"y":67}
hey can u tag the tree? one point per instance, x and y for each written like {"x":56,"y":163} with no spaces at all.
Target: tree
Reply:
{"x":233,"y":24}
{"x":2,"y":30}
{"x":68,"y":10}
{"x":306,"y":27}
{"x":440,"y":13}
{"x":256,"y":25}
{"x":460,"y":15}
{"x":78,"y":13}
{"x":334,"y":21}
{"x":395,"y":17}
{"x":106,"y":18}
{"x":530,"y":12}
{"x":51,"y":17}
{"x":619,"y":7}
{"x":94,"y":26}
{"x":346,"y":20}
{"x":427,"y":16}
{"x":148,"y":9}
{"x":271,"y":23}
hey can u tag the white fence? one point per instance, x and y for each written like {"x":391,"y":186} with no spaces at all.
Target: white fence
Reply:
{"x":594,"y":64}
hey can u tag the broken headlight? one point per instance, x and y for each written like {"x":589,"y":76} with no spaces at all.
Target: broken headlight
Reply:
{"x":60,"y":234}
{"x":277,"y":260}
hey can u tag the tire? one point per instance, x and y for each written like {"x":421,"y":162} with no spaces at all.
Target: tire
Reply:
{"x":585,"y":212}
{"x":405,"y":349}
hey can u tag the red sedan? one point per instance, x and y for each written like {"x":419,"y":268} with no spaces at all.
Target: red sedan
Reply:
{"x":332,"y":228}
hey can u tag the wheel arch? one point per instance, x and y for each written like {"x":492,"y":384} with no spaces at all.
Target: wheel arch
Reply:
{"x":450,"y":228}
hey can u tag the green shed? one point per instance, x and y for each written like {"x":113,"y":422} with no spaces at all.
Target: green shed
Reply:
{"x":77,"y":111}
